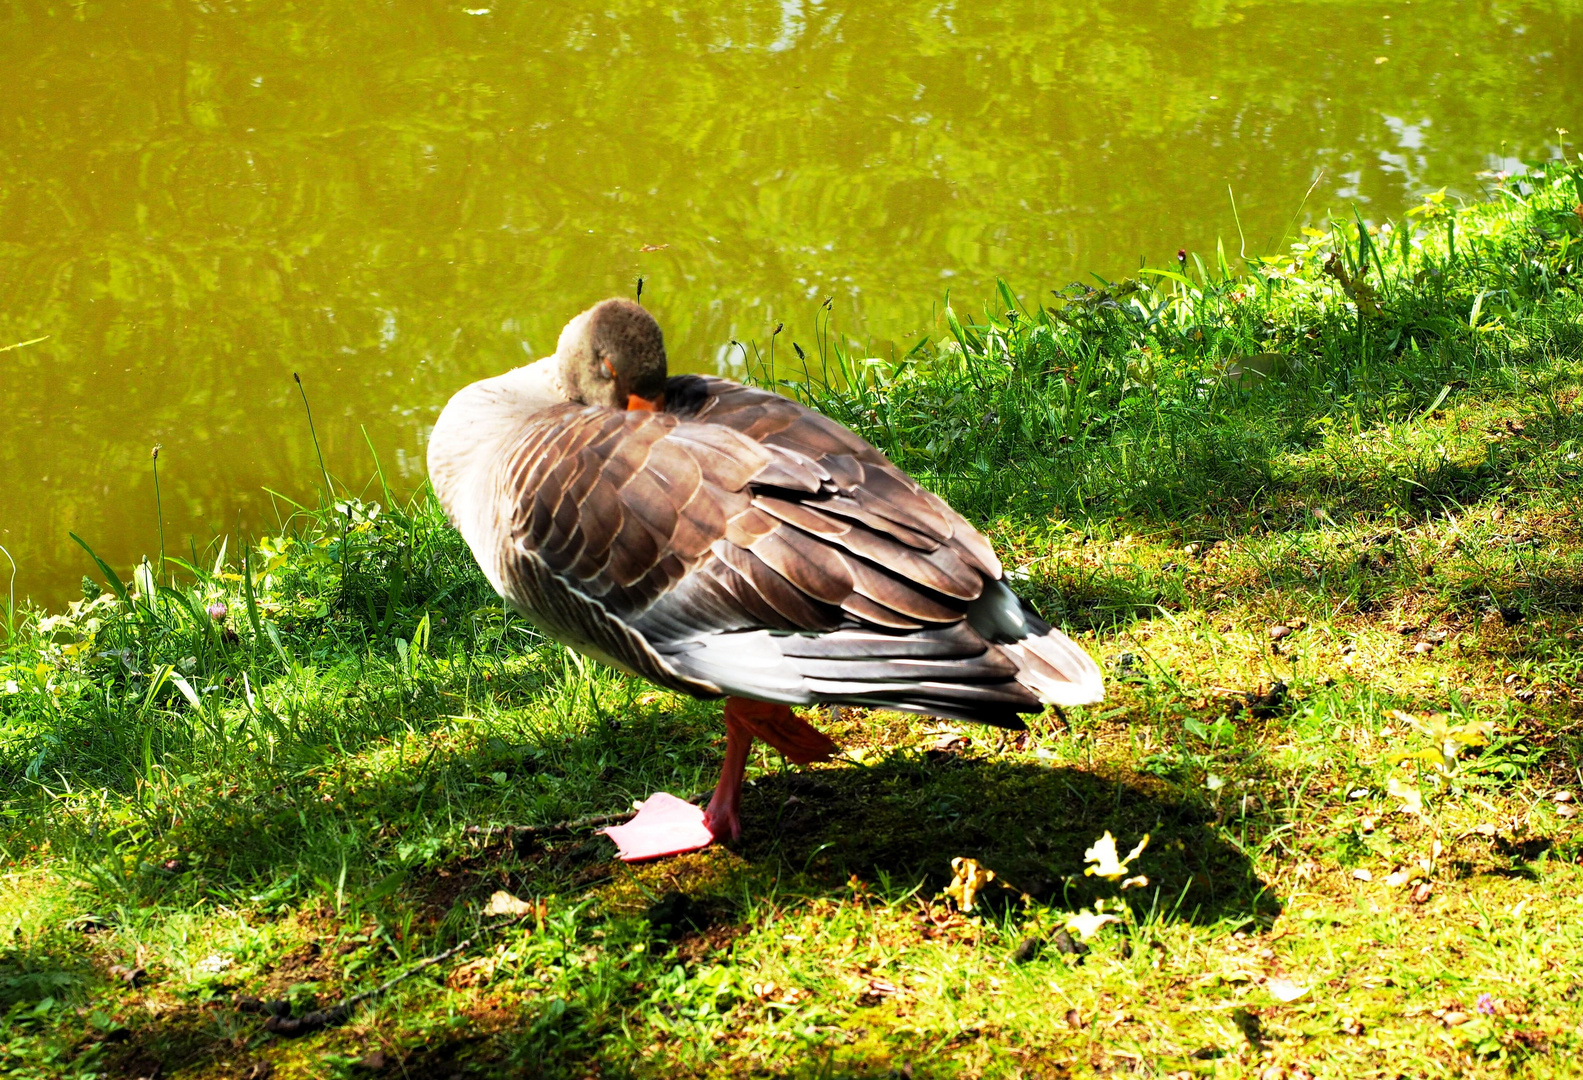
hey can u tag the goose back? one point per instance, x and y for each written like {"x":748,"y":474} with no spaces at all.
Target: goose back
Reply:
{"x":739,"y":543}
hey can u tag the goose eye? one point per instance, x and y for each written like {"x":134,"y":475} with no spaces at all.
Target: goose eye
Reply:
{"x":610,"y":372}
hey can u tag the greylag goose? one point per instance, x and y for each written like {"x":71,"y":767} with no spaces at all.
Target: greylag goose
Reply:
{"x":725,"y":541}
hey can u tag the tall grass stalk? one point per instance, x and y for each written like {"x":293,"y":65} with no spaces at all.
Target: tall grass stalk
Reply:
{"x":329,"y":488}
{"x":10,"y":606}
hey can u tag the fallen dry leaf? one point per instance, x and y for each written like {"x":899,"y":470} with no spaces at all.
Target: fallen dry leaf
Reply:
{"x":473,"y":973}
{"x":1284,"y":990}
{"x":1103,"y":856}
{"x":782,"y":995}
{"x":877,"y":991}
{"x":1085,"y":924}
{"x":1412,"y":801}
{"x":503,"y":903}
{"x":950,"y":740}
{"x":968,"y":881}
{"x":132,"y":976}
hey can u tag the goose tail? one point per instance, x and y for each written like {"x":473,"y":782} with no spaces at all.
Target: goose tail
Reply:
{"x":1051,"y":665}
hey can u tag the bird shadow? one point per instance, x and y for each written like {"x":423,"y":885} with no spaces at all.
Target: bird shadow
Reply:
{"x":901,"y":822}
{"x":894,"y":825}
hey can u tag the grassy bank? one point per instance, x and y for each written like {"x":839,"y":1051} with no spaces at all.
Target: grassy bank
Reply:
{"x":1318,"y":518}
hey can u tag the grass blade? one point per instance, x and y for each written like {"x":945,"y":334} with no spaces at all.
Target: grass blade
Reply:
{"x":248,"y":594}
{"x":104,"y":567}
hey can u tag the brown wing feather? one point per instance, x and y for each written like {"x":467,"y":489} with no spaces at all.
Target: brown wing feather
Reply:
{"x":874,"y":491}
{"x":740,"y":510}
{"x":807,"y":562}
{"x":624,"y":504}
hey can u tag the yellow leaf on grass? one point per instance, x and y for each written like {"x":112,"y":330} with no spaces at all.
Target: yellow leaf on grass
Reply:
{"x":1085,"y":924}
{"x":503,"y":903}
{"x":1448,"y":739}
{"x":1412,"y":801}
{"x":967,"y":882}
{"x":1103,"y":856}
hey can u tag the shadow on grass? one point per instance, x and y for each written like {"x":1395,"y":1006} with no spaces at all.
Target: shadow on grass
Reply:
{"x":895,"y":826}
{"x":32,"y":974}
{"x":900,"y":823}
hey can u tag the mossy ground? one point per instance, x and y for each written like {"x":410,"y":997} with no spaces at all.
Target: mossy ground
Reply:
{"x":207,"y":812}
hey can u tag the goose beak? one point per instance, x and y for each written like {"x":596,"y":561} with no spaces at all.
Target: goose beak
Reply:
{"x":636,"y":402}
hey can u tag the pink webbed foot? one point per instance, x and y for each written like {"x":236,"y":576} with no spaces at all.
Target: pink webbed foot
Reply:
{"x":664,"y":825}
{"x":723,"y":820}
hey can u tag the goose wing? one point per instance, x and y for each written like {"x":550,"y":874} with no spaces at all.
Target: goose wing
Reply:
{"x":735,"y":545}
{"x":891,"y":500}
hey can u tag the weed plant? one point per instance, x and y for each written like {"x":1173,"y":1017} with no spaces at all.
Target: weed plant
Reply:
{"x":1317,"y":514}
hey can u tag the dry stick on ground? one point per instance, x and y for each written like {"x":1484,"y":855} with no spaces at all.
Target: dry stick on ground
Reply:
{"x":569,"y":826}
{"x":321,"y":1018}
{"x":572,"y":825}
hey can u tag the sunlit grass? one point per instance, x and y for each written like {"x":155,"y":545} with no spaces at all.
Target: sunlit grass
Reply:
{"x":1338,"y":607}
{"x":1149,"y":396}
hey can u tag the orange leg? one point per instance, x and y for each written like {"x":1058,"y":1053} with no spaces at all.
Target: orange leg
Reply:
{"x":776,"y":725}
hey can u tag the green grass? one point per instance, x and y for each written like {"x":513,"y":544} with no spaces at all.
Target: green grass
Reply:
{"x":273,"y":803}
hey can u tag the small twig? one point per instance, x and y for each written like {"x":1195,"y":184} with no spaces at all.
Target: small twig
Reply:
{"x":335,"y":1014}
{"x":571,"y":825}
{"x":23,"y":344}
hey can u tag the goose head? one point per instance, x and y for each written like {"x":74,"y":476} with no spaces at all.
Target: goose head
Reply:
{"x":613,"y":354}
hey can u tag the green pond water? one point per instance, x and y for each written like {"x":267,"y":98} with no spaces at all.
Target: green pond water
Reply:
{"x":198,"y":199}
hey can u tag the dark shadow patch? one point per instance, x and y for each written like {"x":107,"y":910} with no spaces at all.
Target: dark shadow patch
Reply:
{"x":31,"y":973}
{"x":906,"y":818}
